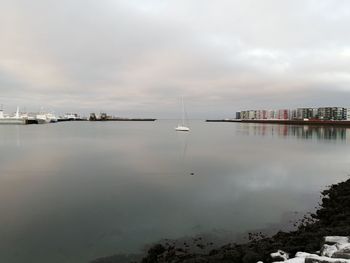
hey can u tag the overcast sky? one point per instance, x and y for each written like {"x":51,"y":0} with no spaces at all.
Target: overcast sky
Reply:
{"x":137,"y":57}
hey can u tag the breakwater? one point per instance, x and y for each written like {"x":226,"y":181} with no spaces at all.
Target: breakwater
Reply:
{"x":123,"y":119}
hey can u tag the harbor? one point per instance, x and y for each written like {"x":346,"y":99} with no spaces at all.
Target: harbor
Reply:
{"x":174,"y":131}
{"x":16,"y":119}
{"x":42,"y":117}
{"x":25,"y":118}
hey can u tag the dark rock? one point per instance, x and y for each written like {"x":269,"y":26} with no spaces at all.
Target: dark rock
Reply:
{"x":340,"y":254}
{"x":324,"y":260}
{"x":154,"y":253}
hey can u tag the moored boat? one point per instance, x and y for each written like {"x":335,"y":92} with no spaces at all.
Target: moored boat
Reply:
{"x":16,"y":119}
{"x":43,"y":118}
{"x":182,"y":127}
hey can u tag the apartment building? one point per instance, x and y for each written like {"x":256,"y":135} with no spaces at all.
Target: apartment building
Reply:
{"x":322,"y":113}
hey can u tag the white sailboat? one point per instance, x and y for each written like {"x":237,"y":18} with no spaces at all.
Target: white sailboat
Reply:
{"x":182,"y":127}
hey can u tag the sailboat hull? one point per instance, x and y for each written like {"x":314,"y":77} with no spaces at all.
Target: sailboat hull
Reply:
{"x":182,"y":128}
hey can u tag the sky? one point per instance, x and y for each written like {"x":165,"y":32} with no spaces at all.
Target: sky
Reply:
{"x":136,"y":58}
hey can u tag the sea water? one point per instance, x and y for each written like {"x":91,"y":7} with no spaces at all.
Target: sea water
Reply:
{"x":75,"y":191}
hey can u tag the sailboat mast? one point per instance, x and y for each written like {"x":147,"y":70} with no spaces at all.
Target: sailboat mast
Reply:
{"x":183,"y":111}
{"x":182,"y":127}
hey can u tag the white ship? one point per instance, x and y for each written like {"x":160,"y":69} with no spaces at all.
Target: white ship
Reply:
{"x":43,"y":118}
{"x":16,"y":119}
{"x":52,"y":117}
{"x":71,"y":116}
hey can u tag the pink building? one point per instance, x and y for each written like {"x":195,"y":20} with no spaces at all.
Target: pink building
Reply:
{"x":283,"y":114}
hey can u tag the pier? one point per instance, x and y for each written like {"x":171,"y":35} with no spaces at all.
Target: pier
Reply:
{"x":124,"y":119}
{"x":105,"y":117}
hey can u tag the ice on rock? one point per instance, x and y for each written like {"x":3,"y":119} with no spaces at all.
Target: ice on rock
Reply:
{"x":344,"y":252}
{"x":328,"y":250}
{"x":319,"y":259}
{"x":292,"y":260}
{"x":336,"y":240}
{"x":304,"y":255}
{"x":336,"y":249}
{"x":280,"y":255}
{"x":343,"y":246}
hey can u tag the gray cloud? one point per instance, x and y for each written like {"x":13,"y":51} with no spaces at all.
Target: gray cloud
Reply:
{"x":136,"y":58}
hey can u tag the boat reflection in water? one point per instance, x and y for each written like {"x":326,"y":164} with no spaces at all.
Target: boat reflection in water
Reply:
{"x":298,"y":131}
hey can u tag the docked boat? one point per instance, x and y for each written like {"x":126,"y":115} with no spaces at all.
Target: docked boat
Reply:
{"x":51,"y":117}
{"x":43,"y":118}
{"x":71,"y":116}
{"x":16,"y":119}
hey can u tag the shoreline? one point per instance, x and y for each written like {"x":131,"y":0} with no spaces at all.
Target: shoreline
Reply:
{"x":290,"y":122}
{"x":332,"y":218}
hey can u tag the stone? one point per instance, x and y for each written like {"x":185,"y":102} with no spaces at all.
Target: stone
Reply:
{"x":304,"y":255}
{"x":319,"y":259}
{"x":340,"y":254}
{"x":280,"y":255}
{"x":332,"y":240}
{"x":328,"y":250}
{"x":293,"y":260}
{"x":343,"y":247}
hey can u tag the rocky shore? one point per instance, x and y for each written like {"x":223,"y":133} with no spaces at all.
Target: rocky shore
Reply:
{"x":336,"y":249}
{"x":311,"y":242}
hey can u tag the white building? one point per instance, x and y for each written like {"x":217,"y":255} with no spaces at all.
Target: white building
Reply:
{"x":348,"y":114}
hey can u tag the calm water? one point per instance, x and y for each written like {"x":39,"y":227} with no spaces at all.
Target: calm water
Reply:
{"x":71,"y":192}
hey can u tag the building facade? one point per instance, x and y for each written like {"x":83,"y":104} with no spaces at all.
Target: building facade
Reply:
{"x":322,"y":113}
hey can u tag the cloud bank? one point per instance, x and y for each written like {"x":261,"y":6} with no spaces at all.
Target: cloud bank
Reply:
{"x":137,"y":58}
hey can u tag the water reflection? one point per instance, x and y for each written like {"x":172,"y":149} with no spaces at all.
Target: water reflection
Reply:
{"x":73,"y":192}
{"x":300,"y":132}
{"x":10,"y":134}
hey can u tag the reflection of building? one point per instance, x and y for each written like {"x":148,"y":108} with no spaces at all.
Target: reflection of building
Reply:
{"x":300,"y":132}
